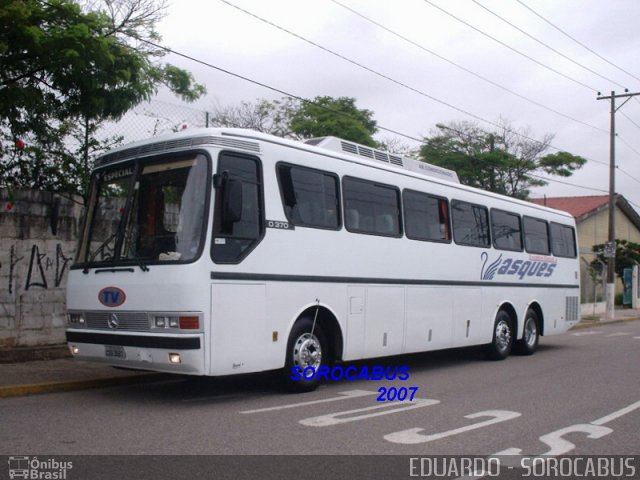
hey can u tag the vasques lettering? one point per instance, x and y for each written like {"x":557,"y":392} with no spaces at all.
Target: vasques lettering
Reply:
{"x":536,"y":266}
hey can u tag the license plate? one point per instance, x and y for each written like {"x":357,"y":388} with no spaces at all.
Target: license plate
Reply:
{"x":114,"y":351}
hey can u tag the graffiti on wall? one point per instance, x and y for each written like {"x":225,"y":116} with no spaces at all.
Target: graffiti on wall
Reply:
{"x":43,"y":270}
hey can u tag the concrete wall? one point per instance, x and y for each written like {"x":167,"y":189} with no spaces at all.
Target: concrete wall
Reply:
{"x":38,"y":236}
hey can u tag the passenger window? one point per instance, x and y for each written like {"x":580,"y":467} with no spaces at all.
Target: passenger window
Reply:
{"x":310,"y":196}
{"x":536,"y":236}
{"x":426,"y":217}
{"x":563,"y":240}
{"x":233,"y":239}
{"x":507,"y":230}
{"x":371,"y":208}
{"x":470,"y":224}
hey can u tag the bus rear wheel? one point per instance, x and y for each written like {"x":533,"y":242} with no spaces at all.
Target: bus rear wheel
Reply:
{"x":502,"y":341}
{"x":307,"y":351}
{"x":528,"y":344}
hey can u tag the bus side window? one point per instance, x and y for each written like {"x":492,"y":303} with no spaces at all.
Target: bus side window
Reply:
{"x":426,"y":217}
{"x":470,"y":224}
{"x":563,"y":240}
{"x":234,"y":240}
{"x":309,"y":196}
{"x":371,"y":207}
{"x":536,"y":236}
{"x":507,"y":230}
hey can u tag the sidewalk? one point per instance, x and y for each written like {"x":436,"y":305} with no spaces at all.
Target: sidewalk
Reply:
{"x":31,"y":371}
{"x":58,"y":374}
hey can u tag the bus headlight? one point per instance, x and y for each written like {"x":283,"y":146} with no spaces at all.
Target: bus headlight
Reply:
{"x":76,"y":319}
{"x":161,"y":322}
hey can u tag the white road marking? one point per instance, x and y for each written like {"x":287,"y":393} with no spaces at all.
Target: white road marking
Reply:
{"x":558,"y":445}
{"x":343,"y":396}
{"x":618,"y":334}
{"x":590,"y":332}
{"x":339,"y":417}
{"x":412,"y":435}
{"x":617,"y":414}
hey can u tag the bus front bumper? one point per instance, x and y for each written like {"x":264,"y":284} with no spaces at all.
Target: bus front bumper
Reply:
{"x":161,"y":353}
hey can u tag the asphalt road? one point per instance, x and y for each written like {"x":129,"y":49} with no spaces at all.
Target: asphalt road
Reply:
{"x":579,"y":395}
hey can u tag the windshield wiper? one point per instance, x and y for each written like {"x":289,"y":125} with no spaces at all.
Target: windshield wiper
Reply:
{"x":143,"y":266}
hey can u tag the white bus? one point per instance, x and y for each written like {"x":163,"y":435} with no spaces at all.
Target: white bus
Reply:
{"x":227,"y":251}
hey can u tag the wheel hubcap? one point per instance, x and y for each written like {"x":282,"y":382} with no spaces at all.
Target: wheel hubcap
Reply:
{"x":307,"y":351}
{"x":530,"y":332}
{"x":503,"y":335}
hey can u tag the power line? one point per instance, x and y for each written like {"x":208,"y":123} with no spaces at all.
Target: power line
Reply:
{"x":547,"y":179}
{"x":302,"y":99}
{"x":471,"y":72}
{"x":268,"y":87}
{"x":629,"y":118}
{"x":628,"y":175}
{"x":578,"y":82}
{"x":387,"y":77}
{"x":282,"y":92}
{"x":628,"y":145}
{"x":375,"y":72}
{"x":360,"y":65}
{"x":575,"y":40}
{"x":545,"y":44}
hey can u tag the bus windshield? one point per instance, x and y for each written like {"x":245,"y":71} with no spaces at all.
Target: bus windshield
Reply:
{"x":151,"y":212}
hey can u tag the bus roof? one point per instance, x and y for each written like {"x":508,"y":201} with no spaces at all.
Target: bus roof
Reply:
{"x":247,"y":140}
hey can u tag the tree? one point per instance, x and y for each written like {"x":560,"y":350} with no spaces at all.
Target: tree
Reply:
{"x":627,"y":255}
{"x":292,"y":118}
{"x":503,"y":161}
{"x":263,"y":116}
{"x":339,"y":117}
{"x":64,"y":71}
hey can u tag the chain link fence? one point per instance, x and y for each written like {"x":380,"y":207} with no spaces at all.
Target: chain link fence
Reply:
{"x":154,"y":118}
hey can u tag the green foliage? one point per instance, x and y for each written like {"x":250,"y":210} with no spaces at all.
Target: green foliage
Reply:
{"x":501,"y":161}
{"x":292,"y":118}
{"x":181,"y":83}
{"x":64,"y":71}
{"x":334,"y":116}
{"x":627,"y":255}
{"x":561,"y":163}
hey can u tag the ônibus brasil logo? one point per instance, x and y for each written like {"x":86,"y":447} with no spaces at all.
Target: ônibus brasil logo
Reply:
{"x":537,"y":266}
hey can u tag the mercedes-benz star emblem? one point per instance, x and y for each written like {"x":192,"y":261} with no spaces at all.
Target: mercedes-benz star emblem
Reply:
{"x":113,"y":321}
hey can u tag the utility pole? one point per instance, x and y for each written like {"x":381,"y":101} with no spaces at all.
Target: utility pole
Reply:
{"x":610,"y":246}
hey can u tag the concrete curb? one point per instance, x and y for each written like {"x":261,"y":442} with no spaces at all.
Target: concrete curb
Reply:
{"x":66,"y":386}
{"x":599,"y":323}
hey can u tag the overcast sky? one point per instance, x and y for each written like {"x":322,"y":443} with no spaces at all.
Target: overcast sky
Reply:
{"x":422,"y":89}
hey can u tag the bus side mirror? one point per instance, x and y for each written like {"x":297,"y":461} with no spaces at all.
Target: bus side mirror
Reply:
{"x":231,"y":197}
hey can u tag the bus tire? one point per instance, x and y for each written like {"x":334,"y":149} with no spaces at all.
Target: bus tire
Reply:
{"x":304,"y":350}
{"x":528,"y":344}
{"x":502,"y":341}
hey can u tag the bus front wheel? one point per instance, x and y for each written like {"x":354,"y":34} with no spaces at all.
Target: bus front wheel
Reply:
{"x":502,"y":341}
{"x":306,"y":352}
